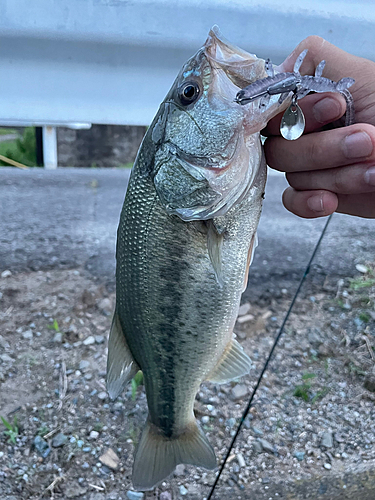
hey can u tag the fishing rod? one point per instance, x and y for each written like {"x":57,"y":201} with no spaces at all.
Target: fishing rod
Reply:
{"x":276,"y":341}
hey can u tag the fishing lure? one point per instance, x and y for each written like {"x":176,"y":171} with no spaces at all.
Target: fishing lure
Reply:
{"x":293,"y":122}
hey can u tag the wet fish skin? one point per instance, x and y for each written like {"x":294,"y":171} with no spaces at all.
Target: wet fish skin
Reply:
{"x":185,"y":241}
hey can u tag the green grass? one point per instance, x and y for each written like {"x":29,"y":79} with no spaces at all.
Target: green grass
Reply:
{"x":12,"y":429}
{"x":7,"y":131}
{"x":363,"y":316}
{"x":136,"y":382}
{"x":363,"y":282}
{"x":22,"y":149}
{"x":306,"y":392}
{"x":302,"y":391}
{"x":307,"y":376}
{"x":54,"y":326}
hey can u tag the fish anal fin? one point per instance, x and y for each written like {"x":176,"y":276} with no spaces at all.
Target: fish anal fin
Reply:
{"x":121,"y":366}
{"x":250,"y":257}
{"x":157,"y":455}
{"x":215,"y":244}
{"x":233,"y":364}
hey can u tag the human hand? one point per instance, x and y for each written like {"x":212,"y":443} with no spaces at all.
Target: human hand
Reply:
{"x":329,"y":170}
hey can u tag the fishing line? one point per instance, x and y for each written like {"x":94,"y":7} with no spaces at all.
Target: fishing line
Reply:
{"x":276,"y":341}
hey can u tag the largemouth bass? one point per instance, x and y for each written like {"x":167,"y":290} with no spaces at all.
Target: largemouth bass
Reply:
{"x":186,"y":237}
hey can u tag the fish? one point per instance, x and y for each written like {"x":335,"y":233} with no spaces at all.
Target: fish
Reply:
{"x":185,"y":241}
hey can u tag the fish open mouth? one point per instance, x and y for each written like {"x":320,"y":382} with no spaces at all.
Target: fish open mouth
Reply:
{"x":241,"y":67}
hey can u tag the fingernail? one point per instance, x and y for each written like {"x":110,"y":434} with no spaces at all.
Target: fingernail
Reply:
{"x":315,"y":203}
{"x":326,"y":110}
{"x":357,"y":145}
{"x":370,"y":176}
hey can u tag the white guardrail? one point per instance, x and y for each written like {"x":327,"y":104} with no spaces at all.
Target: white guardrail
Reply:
{"x":77,"y":62}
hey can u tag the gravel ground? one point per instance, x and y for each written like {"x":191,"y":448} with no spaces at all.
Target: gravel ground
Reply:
{"x":312,"y":421}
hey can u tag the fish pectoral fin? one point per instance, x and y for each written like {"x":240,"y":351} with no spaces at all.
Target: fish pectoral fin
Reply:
{"x":233,"y":364}
{"x":250,"y":257}
{"x":215,"y":245}
{"x":157,"y":455}
{"x":121,"y":366}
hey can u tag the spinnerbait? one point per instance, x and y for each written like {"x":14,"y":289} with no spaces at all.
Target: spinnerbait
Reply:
{"x":293,"y":122}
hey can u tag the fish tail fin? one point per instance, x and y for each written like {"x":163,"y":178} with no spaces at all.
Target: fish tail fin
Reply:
{"x":157,"y":455}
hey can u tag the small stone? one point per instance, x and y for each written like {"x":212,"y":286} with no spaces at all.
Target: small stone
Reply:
{"x":73,"y":490}
{"x":57,"y":338}
{"x":241,"y":460}
{"x":5,"y":358}
{"x":105,"y":305}
{"x":327,"y":439}
{"x":86,"y":449}
{"x":344,"y":455}
{"x":59,"y":440}
{"x":244,"y":309}
{"x":110,"y":459}
{"x":245,"y":318}
{"x":327,"y":466}
{"x":41,"y":446}
{"x":80,"y":443}
{"x":6,"y":273}
{"x":165,"y":495}
{"x":88,"y":376}
{"x":257,"y":447}
{"x":300,"y":455}
{"x":179,"y":470}
{"x":3,"y":343}
{"x":257,"y":431}
{"x":94,"y":435}
{"x":205,"y":419}
{"x":84,"y":365}
{"x":102,"y":395}
{"x":28,"y":335}
{"x":89,"y":340}
{"x":85,"y":465}
{"x":99,"y":339}
{"x":339,"y":438}
{"x":231,"y":422}
{"x":238,"y":392}
{"x":361,"y":268}
{"x":266,"y":445}
{"x":135,"y":495}
{"x":183,"y":490}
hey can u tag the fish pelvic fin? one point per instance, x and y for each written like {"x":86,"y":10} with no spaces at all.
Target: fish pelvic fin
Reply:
{"x":121,"y":366}
{"x":250,"y":257}
{"x":215,"y":244}
{"x":157,"y":455}
{"x":233,"y":364}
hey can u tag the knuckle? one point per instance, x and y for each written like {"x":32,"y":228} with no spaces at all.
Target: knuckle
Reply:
{"x":314,"y":41}
{"x":340,"y":181}
{"x":313,"y":152}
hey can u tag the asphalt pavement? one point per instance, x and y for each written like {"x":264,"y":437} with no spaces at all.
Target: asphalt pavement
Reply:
{"x":68,"y":218}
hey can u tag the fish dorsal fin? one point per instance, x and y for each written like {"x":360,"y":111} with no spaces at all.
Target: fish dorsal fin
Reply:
{"x":233,"y":364}
{"x":121,"y":366}
{"x":215,"y":244}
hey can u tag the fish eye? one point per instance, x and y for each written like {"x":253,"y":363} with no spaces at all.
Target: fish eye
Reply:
{"x":189,"y":93}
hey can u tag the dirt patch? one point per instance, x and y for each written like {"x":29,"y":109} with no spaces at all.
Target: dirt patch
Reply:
{"x":313,"y":420}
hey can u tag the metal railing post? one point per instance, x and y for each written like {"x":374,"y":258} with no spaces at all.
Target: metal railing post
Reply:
{"x":50,"y":147}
